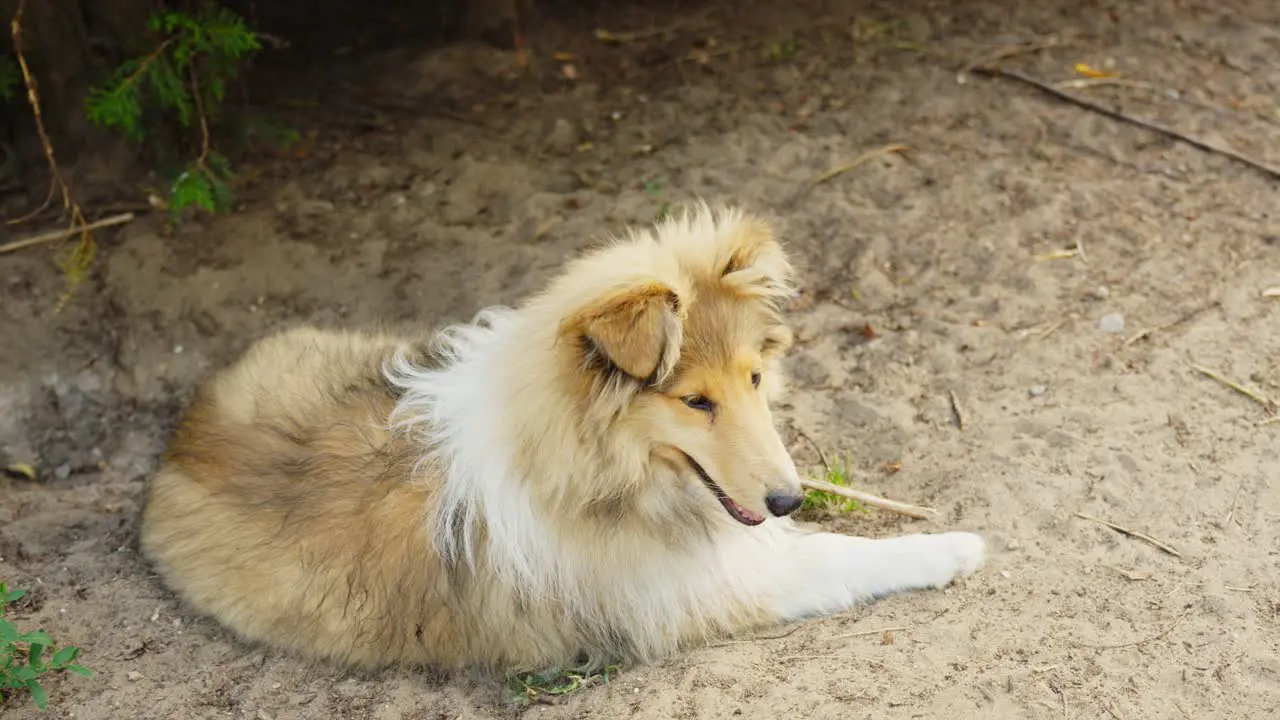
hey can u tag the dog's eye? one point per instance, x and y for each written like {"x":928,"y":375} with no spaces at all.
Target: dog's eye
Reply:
{"x":755,"y":379}
{"x":699,"y":402}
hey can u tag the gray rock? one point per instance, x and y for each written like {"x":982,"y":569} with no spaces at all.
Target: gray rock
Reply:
{"x":1112,"y":323}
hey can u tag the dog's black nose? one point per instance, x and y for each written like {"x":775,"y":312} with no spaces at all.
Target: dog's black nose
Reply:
{"x":782,"y":503}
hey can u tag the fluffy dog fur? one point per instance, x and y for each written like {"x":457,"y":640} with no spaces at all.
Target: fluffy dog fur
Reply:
{"x":586,"y":476}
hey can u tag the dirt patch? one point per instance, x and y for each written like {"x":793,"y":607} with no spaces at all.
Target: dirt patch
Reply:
{"x":443,"y":185}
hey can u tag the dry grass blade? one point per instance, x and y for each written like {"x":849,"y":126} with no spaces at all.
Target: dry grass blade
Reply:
{"x":865,"y":633}
{"x":1267,"y":403}
{"x":65,"y":233}
{"x":1003,"y":54}
{"x":1171,"y":324}
{"x":758,"y":638}
{"x":1132,"y":533}
{"x":955,"y":408}
{"x":1152,"y":125}
{"x":860,"y":160}
{"x":870,"y":500}
{"x":1271,"y":292}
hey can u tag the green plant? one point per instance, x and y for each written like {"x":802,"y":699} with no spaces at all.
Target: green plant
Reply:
{"x":837,"y":474}
{"x":528,"y":687}
{"x":25,"y":658}
{"x":655,"y":189}
{"x":782,"y":50}
{"x":186,"y":76}
{"x":9,"y":78}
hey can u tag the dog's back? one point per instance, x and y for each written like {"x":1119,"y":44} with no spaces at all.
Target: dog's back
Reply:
{"x":286,"y":509}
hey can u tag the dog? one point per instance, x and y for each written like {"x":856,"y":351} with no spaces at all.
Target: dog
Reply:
{"x":593,"y":476}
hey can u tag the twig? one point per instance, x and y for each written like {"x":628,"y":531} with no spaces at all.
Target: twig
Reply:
{"x":821,"y":455}
{"x":1112,"y":711}
{"x":620,"y":38}
{"x":1235,"y":500}
{"x":1172,"y":323}
{"x":65,"y":233}
{"x":915,"y":511}
{"x":1268,"y":421}
{"x":1152,"y":125}
{"x":1131,"y":577}
{"x":865,"y":633}
{"x":1158,"y":636}
{"x":861,"y":159}
{"x":204,"y":123}
{"x":758,"y":638}
{"x":1271,"y":292}
{"x":955,"y":408}
{"x":1003,"y":54}
{"x":1132,"y":533}
{"x":1267,"y":403}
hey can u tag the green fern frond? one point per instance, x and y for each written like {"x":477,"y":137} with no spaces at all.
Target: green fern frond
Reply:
{"x":9,"y":78}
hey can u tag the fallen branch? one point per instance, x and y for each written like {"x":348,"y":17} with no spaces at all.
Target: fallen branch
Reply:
{"x":1132,"y":533}
{"x":1267,"y":403}
{"x":870,"y":500}
{"x":1152,"y":125}
{"x":65,"y":233}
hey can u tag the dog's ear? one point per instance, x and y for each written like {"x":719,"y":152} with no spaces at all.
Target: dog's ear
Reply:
{"x":637,"y":330}
{"x":756,"y":265}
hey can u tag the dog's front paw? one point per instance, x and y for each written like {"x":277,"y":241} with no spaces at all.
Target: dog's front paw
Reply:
{"x":969,"y":552}
{"x":937,"y":560}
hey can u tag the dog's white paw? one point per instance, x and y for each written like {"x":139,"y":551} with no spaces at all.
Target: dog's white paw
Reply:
{"x":934,"y":561}
{"x":968,"y":550}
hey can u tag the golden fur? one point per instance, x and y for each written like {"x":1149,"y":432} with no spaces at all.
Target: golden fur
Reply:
{"x":521,"y":491}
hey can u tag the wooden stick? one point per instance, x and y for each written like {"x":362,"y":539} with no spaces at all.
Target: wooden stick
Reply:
{"x":870,"y":500}
{"x":1131,"y":533}
{"x":1207,"y":146}
{"x":66,"y":232}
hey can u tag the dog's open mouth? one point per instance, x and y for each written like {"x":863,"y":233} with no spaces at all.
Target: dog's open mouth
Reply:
{"x":736,"y":511}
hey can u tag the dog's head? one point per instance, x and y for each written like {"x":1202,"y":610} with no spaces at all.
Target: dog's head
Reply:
{"x":672,"y":345}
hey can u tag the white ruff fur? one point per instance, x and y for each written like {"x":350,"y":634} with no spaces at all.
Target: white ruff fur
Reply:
{"x":490,"y":397}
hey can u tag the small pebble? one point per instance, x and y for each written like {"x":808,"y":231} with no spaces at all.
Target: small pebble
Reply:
{"x":1100,"y":293}
{"x":1004,"y":574}
{"x":1112,"y":323}
{"x":134,"y":676}
{"x":1013,"y":545}
{"x":1038,"y":390}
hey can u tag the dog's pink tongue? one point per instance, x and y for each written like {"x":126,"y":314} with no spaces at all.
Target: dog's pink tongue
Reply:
{"x":744,"y":513}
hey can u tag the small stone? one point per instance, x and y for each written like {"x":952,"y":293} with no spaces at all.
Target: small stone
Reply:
{"x":1100,"y":293}
{"x":1013,"y":545}
{"x":1038,"y":390}
{"x":1112,"y":323}
{"x":1004,"y":574}
{"x":134,"y":676}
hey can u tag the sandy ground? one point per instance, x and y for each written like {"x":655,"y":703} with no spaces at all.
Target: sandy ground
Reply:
{"x":434,"y":184}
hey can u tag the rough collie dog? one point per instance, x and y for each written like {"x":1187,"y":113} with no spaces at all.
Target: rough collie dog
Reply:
{"x":593,"y":475}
